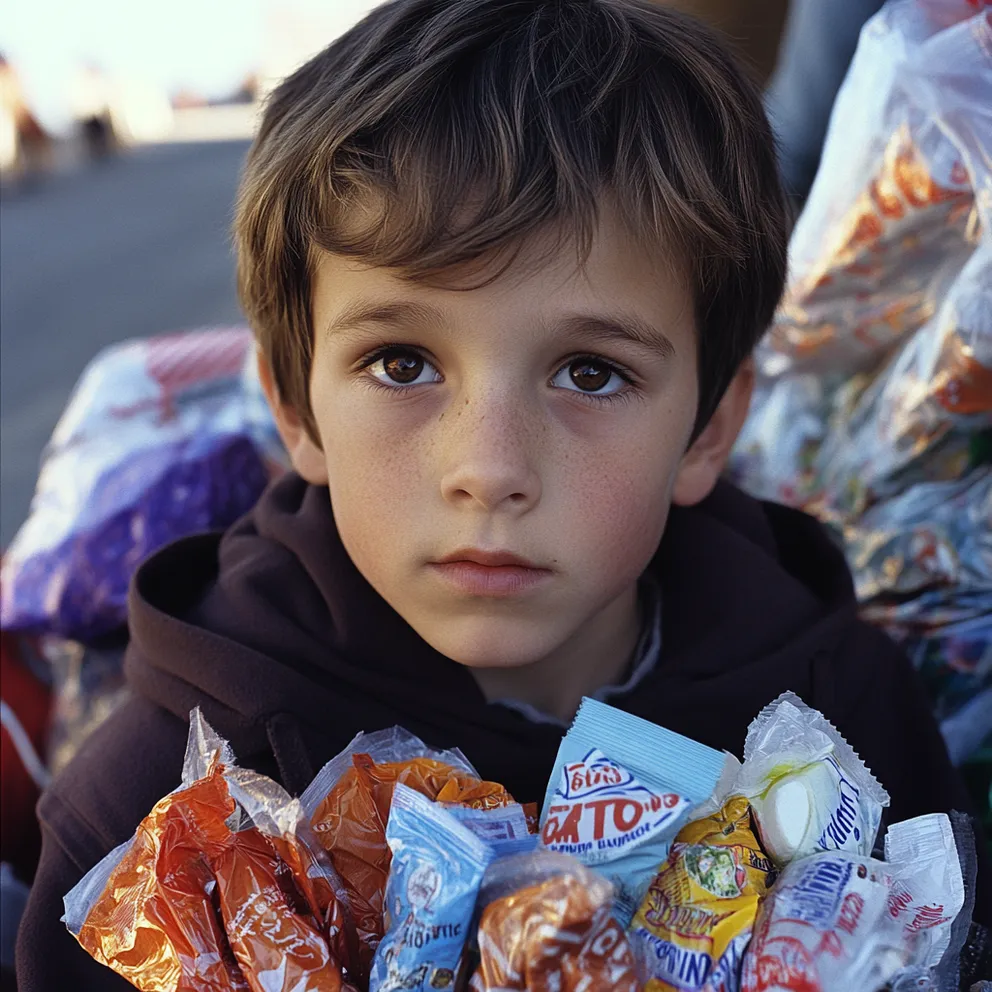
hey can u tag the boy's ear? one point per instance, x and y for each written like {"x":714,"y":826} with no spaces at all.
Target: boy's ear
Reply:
{"x":306,"y":456}
{"x":703,"y":463}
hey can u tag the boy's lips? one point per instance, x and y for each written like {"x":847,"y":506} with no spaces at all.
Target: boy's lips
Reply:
{"x":489,"y":573}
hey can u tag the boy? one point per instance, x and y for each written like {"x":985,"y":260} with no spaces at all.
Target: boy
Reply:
{"x":506,"y":260}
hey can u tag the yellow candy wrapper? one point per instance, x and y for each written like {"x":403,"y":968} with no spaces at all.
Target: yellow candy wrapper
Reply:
{"x":695,"y":921}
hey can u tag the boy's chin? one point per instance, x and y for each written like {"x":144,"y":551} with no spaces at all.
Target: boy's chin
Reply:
{"x":488,"y":648}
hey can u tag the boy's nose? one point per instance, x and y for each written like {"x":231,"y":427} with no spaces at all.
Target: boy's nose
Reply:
{"x":488,"y":461}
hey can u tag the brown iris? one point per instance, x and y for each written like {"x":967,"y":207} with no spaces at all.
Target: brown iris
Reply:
{"x":403,"y":366}
{"x":590,"y":376}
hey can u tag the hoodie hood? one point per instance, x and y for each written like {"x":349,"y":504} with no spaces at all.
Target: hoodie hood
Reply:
{"x":275,"y":634}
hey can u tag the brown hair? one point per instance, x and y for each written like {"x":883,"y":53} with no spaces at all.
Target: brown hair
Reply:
{"x":440,"y":133}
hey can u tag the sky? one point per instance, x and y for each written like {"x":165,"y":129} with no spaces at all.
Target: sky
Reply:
{"x":204,"y":45}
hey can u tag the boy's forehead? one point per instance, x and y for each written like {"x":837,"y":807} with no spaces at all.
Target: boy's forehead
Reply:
{"x":619,"y":283}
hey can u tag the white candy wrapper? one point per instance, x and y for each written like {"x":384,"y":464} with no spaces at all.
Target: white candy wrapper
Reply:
{"x":836,"y":921}
{"x":808,"y":788}
{"x":927,"y":886}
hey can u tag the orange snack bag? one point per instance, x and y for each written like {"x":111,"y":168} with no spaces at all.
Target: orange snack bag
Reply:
{"x":349,"y":804}
{"x":270,"y":925}
{"x":218,"y":891}
{"x":156,"y":924}
{"x":555,"y":934}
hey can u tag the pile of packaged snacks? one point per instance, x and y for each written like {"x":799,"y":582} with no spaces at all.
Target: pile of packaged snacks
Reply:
{"x":221,"y":888}
{"x":741,"y":876}
{"x":874,"y":398}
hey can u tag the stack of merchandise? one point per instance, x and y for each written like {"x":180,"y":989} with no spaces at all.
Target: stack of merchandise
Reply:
{"x":874,"y":399}
{"x":659,"y":864}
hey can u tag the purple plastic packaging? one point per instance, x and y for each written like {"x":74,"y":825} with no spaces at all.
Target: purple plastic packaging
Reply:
{"x":155,"y":444}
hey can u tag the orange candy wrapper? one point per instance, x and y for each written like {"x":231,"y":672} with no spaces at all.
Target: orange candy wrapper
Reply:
{"x":270,"y":927}
{"x":348,"y":804}
{"x":551,"y":930}
{"x":156,"y":923}
{"x":219,"y":890}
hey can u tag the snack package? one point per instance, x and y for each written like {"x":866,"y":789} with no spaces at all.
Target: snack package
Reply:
{"x":886,"y":225}
{"x":547,"y":926}
{"x":884,"y":275}
{"x":505,"y":830}
{"x":153,"y":445}
{"x":927,"y":885}
{"x":620,"y":789}
{"x":437,"y":867}
{"x":348,"y":806}
{"x":836,"y":921}
{"x":808,"y":788}
{"x":219,"y":890}
{"x":915,"y":422}
{"x":695,"y":922}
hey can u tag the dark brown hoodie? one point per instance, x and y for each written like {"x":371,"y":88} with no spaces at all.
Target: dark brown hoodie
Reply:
{"x":289,"y":652}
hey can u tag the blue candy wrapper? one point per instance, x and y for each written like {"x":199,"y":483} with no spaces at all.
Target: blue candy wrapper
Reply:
{"x":437,"y":869}
{"x":620,"y":790}
{"x":503,"y":829}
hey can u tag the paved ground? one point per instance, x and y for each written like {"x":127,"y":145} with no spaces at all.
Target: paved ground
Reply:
{"x":138,"y":246}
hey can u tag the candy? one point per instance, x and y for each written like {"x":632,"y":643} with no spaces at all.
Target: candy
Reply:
{"x":219,"y":890}
{"x":547,"y":927}
{"x":348,"y":805}
{"x":620,"y":789}
{"x":275,"y":938}
{"x":837,"y":921}
{"x":691,"y":930}
{"x":808,"y":788}
{"x":437,"y":867}
{"x":156,"y":936}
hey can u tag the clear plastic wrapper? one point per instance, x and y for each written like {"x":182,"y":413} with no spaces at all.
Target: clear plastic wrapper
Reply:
{"x":220,"y":889}
{"x":875,"y":376}
{"x":437,"y":868}
{"x":348,"y":807}
{"x":887,"y":221}
{"x":620,"y":790}
{"x":808,"y":788}
{"x":836,"y":921}
{"x":916,"y":421}
{"x":691,"y":930}
{"x":547,"y":926}
{"x":153,"y":445}
{"x":87,"y":686}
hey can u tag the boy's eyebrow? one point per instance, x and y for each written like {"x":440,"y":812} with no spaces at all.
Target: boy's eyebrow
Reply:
{"x":592,"y":327}
{"x":619,"y":327}
{"x":392,"y":314}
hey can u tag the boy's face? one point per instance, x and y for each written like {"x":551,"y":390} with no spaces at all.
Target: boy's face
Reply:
{"x":501,"y":460}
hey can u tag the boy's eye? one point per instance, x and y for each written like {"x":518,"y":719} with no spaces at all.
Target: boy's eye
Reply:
{"x":402,"y":367}
{"x":589,"y":375}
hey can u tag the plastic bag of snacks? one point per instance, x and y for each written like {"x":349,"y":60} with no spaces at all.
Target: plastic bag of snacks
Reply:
{"x":887,"y":222}
{"x":837,"y":921}
{"x":808,"y":788}
{"x":437,"y":868}
{"x":221,"y":889}
{"x":547,"y":926}
{"x":891,"y":221}
{"x":620,"y":789}
{"x":918,"y":420}
{"x":348,"y":806}
{"x":692,"y":928}
{"x":153,"y":445}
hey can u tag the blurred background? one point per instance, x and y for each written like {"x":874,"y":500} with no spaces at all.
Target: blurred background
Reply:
{"x":122,"y":130}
